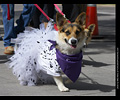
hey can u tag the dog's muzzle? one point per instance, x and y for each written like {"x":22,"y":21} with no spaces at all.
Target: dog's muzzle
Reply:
{"x":72,"y":42}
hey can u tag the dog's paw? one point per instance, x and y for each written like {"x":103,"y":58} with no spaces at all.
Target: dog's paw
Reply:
{"x":63,"y":89}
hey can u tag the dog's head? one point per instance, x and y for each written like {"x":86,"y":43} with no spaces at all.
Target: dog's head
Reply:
{"x":73,"y":35}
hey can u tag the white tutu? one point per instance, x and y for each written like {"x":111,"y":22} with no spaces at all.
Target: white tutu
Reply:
{"x":33,"y":60}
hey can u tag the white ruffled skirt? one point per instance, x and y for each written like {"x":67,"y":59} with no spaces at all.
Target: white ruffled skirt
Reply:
{"x":33,"y":61}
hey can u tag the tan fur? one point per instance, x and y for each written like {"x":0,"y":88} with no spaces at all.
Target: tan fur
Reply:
{"x":72,"y":30}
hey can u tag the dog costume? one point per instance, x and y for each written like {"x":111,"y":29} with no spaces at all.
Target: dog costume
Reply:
{"x":36,"y":57}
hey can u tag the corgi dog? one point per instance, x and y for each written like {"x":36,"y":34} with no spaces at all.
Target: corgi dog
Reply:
{"x":71,"y":39}
{"x":51,"y":52}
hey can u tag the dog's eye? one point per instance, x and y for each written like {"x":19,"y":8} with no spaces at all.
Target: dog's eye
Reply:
{"x":77,"y":32}
{"x":67,"y":33}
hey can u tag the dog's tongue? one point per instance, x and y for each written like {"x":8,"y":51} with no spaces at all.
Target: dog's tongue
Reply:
{"x":73,"y":46}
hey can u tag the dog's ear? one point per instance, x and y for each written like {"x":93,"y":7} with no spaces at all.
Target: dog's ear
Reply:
{"x":89,"y":32}
{"x":91,"y":28}
{"x":81,"y":19}
{"x":60,"y":20}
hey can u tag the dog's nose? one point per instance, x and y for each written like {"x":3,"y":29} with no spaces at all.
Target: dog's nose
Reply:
{"x":73,"y":41}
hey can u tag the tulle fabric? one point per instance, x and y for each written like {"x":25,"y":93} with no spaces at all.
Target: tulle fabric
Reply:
{"x":33,"y":61}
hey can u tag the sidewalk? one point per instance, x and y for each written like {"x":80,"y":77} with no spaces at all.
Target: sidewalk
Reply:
{"x":98,"y":71}
{"x":97,"y":77}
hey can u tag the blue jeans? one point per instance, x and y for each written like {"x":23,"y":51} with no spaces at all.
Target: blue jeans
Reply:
{"x":9,"y":29}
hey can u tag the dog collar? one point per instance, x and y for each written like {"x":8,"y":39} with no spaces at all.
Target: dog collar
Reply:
{"x":70,"y":64}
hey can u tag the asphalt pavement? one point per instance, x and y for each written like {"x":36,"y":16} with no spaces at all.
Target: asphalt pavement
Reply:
{"x":98,"y":72}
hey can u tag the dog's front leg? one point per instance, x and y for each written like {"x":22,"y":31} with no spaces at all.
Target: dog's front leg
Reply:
{"x":68,"y":81}
{"x":59,"y":82}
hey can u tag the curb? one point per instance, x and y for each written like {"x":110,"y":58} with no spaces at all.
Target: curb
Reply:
{"x":106,"y":5}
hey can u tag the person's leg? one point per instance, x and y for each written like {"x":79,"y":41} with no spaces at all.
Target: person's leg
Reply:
{"x":8,"y":28}
{"x":67,"y":10}
{"x":0,"y":23}
{"x":74,"y":13}
{"x":8,"y":25}
{"x":36,"y":17}
{"x":25,"y":17}
{"x":50,"y":10}
{"x":42,"y":17}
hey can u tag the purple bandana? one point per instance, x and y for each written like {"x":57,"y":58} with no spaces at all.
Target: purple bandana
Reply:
{"x":70,"y":64}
